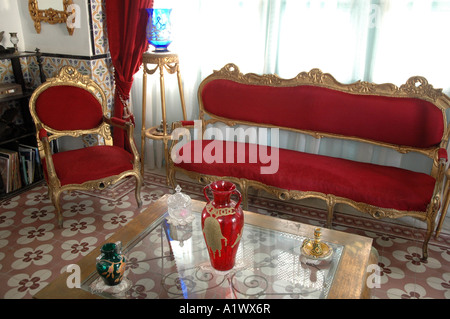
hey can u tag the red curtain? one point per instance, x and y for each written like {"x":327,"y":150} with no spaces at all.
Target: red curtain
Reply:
{"x":126,"y":26}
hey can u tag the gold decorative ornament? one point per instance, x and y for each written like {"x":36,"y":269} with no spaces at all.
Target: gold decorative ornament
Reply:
{"x":213,"y":235}
{"x":50,"y":15}
{"x":315,"y":248}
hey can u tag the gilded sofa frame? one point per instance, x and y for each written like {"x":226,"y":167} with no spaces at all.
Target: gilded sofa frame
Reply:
{"x":69,"y":76}
{"x":415,"y":87}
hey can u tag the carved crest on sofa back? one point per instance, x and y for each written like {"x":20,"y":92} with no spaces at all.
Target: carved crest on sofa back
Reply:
{"x":415,"y":86}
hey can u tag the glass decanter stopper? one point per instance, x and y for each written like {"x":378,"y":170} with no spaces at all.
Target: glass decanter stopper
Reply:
{"x":179,"y":207}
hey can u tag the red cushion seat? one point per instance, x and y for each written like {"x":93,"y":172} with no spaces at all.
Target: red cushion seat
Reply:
{"x":78,"y":166}
{"x":381,"y":186}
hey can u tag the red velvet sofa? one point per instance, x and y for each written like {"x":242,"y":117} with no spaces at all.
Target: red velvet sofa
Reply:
{"x":409,"y":118}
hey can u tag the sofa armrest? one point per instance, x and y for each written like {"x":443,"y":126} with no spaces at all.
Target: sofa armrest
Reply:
{"x":184,"y":124}
{"x":187,"y":123}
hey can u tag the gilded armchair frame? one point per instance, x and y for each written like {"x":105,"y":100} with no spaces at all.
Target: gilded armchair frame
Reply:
{"x":415,"y":87}
{"x":69,"y":76}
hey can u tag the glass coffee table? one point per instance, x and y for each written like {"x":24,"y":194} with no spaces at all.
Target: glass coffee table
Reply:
{"x":167,"y":261}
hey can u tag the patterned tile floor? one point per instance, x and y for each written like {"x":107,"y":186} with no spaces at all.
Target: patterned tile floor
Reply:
{"x":34,"y":251}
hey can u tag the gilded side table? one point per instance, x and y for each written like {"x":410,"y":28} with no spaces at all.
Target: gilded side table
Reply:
{"x":170,"y":62}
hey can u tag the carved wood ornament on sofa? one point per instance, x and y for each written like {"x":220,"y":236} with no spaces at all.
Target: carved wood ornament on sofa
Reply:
{"x":50,"y":15}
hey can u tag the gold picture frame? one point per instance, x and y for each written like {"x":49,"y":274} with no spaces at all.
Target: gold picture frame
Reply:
{"x":50,"y":15}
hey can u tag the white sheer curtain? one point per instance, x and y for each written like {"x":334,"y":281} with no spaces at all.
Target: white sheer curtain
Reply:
{"x":371,"y":40}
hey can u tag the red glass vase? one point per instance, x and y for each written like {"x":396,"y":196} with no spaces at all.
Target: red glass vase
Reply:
{"x":222,"y":224}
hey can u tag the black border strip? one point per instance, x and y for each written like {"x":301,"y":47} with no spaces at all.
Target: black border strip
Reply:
{"x":91,"y":28}
{"x":77,"y":57}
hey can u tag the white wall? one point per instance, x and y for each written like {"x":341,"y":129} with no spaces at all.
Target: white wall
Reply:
{"x":55,"y":38}
{"x":10,"y":22}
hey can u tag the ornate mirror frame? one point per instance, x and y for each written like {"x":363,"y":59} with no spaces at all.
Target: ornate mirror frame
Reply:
{"x":49,"y":15}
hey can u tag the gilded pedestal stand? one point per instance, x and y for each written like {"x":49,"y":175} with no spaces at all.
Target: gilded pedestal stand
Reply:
{"x":168,"y":61}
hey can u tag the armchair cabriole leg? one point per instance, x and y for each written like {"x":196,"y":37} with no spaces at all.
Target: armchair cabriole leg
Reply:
{"x":55,"y":197}
{"x":430,"y":228}
{"x":425,"y":242}
{"x":138,"y":191}
{"x":425,"y":251}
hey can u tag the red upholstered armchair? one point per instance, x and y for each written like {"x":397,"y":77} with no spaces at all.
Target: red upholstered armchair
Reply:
{"x":74,"y":105}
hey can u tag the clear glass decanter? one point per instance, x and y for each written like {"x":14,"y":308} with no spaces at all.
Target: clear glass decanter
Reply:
{"x":179,"y":207}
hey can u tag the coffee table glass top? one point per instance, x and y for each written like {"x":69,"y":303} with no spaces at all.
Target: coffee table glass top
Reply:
{"x":167,"y":261}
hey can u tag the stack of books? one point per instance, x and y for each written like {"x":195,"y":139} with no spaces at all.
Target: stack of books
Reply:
{"x":19,"y":168}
